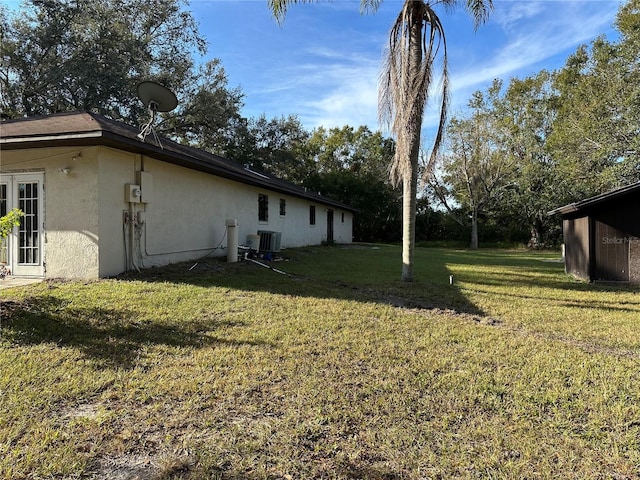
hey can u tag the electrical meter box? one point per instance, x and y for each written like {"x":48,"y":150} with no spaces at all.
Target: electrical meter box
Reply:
{"x":132,"y":193}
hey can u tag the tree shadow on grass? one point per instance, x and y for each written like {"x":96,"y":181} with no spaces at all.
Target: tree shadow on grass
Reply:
{"x":324,"y":272}
{"x":110,"y":337}
{"x":370,"y":273}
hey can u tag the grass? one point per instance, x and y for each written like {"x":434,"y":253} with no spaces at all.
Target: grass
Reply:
{"x":336,"y":370}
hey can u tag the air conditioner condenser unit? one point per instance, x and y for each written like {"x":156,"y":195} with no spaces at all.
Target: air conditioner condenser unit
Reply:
{"x":270,"y":241}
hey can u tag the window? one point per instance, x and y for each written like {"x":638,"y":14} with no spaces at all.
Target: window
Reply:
{"x":312,"y":215}
{"x":283,"y":206}
{"x":342,"y":217}
{"x":263,"y":208}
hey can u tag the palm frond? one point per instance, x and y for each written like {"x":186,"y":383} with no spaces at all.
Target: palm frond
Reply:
{"x":437,"y":30}
{"x":279,"y":8}
{"x":406,"y":80}
{"x":479,"y":10}
{"x":369,"y":6}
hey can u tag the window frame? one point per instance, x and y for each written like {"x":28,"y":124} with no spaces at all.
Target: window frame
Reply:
{"x":312,"y":215}
{"x":263,"y":207}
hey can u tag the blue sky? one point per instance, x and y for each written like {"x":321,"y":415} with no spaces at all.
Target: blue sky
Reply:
{"x":323,"y":63}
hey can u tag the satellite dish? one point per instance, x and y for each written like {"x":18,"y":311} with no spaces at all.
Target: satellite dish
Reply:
{"x":157,"y":98}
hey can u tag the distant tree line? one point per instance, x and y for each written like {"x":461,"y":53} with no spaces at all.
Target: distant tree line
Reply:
{"x":519,"y":150}
{"x":544,"y":141}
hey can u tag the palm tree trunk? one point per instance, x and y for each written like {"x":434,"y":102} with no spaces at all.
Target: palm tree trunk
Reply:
{"x":409,"y":192}
{"x":410,"y":177}
{"x":408,"y":96}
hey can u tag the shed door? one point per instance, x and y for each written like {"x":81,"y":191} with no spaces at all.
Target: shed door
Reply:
{"x":22,"y":250}
{"x":612,"y":254}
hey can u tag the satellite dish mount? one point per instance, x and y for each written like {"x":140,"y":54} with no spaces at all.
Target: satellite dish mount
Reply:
{"x":157,"y":98}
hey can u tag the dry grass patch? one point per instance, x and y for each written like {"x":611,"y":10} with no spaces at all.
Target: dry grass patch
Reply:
{"x":236,"y":372}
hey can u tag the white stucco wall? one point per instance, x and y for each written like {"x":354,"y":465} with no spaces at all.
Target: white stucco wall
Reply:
{"x":71,"y":219}
{"x":86,"y":236}
{"x":116,"y":168}
{"x":70,"y":213}
{"x":187,"y":214}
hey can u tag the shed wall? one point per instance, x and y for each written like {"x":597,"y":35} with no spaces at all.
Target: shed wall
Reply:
{"x":634,"y":261}
{"x":611,"y":260}
{"x":619,"y":257}
{"x":601,"y":240}
{"x":577,"y":234}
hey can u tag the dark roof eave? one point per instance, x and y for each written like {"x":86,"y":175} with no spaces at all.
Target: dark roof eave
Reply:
{"x":110,"y":139}
{"x":590,"y":202}
{"x":54,"y":140}
{"x":564,"y":210}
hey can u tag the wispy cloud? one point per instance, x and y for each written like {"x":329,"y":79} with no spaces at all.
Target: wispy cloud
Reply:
{"x":323,"y":64}
{"x":353,"y":103}
{"x":510,"y":15}
{"x":331,"y":89}
{"x":535,"y":33}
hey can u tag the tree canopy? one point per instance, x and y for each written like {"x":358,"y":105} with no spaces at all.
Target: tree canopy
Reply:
{"x":475,"y":164}
{"x":61,"y":55}
{"x":558,"y":137}
{"x":597,"y":128}
{"x":524,"y":146}
{"x":351,"y":166}
{"x":64,"y":55}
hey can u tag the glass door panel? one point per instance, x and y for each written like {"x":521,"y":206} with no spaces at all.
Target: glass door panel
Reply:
{"x":29,"y":232}
{"x":24,"y":246}
{"x":4,"y":242}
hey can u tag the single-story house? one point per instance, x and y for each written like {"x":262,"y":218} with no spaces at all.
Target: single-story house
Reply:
{"x":99,"y":200}
{"x":602,"y":236}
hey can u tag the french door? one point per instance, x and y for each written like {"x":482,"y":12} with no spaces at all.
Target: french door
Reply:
{"x":22,"y":251}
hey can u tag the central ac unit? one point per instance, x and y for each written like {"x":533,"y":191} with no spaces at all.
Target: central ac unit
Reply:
{"x":269,"y":241}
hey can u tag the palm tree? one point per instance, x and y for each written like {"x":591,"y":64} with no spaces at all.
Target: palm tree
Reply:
{"x":417,"y":38}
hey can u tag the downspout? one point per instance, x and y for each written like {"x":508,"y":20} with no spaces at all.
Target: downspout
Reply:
{"x":130,"y":222}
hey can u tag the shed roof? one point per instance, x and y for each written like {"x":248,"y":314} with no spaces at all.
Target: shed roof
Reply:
{"x":596,"y":200}
{"x":88,"y":128}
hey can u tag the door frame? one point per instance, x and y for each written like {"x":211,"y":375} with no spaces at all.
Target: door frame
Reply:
{"x":31,"y":229}
{"x":330,"y":232}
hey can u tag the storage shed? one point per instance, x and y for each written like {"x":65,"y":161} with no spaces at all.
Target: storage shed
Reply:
{"x":99,"y":200}
{"x":602,"y":236}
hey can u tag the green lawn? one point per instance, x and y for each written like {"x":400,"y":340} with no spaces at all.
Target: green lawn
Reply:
{"x":336,"y":370}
